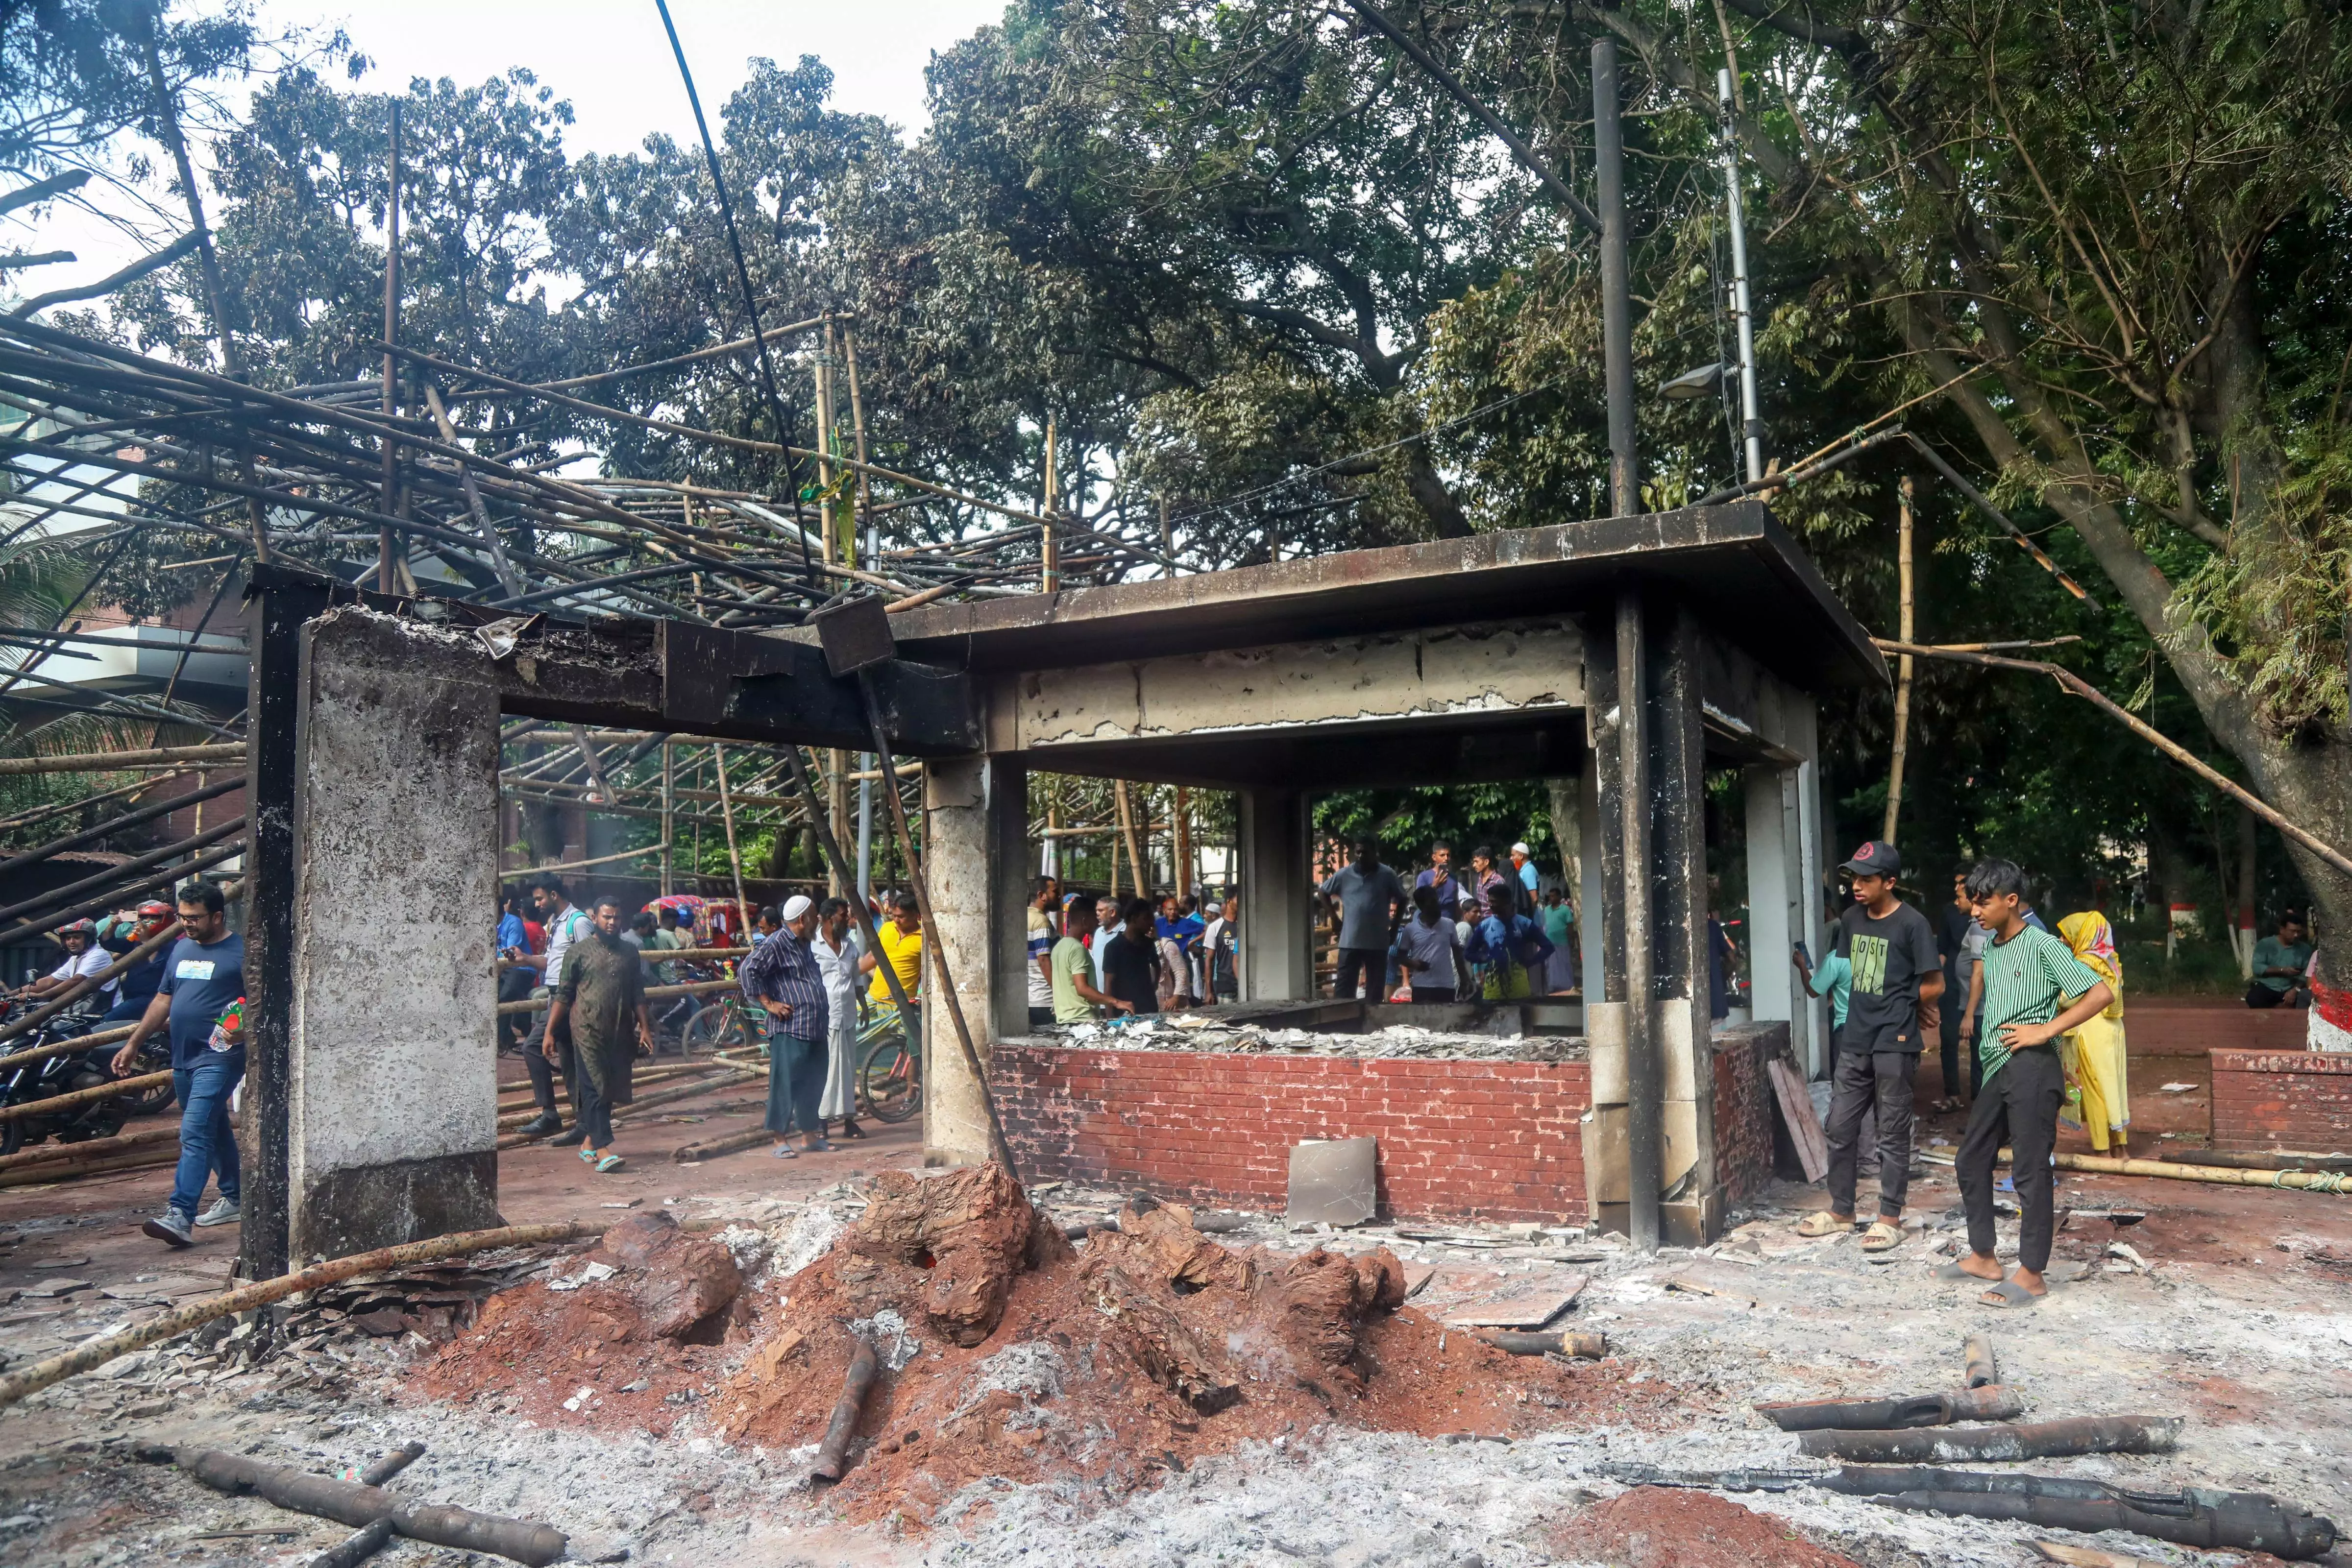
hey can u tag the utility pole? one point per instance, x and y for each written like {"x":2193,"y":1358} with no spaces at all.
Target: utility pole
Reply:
{"x":1049,"y":575}
{"x":1751,"y":421}
{"x":386,"y":544}
{"x":1616,"y":283}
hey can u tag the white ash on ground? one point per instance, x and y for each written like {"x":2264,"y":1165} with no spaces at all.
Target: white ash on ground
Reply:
{"x":1186,"y":1031}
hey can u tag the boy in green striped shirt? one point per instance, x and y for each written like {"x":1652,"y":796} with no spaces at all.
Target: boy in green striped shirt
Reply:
{"x":2035,"y":989}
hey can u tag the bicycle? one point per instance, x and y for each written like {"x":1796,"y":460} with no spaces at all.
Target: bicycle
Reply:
{"x":889,"y":1072}
{"x":727,"y":1022}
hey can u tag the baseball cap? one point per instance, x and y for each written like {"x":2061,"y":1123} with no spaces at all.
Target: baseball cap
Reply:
{"x":1874,"y":858}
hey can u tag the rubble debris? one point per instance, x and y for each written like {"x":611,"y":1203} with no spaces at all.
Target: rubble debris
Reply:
{"x":1530,"y":1309}
{"x":1333,"y":1181}
{"x":2089,"y":1556}
{"x":1660,"y":1527}
{"x":832,"y":1454}
{"x":2194,"y":1516}
{"x":712,"y":1148}
{"x":348,"y":1502}
{"x":1988,"y":1402}
{"x":1214,"y":1035}
{"x":1982,"y":1369}
{"x":2034,"y":1440}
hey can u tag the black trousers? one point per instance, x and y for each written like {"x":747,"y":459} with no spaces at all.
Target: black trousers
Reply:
{"x":595,"y":1111}
{"x":1955,"y":1003}
{"x":542,"y":1073}
{"x":1865,"y":1081}
{"x":2259,"y":995}
{"x":515,"y":984}
{"x":1367,"y":964}
{"x":2019,"y":1106}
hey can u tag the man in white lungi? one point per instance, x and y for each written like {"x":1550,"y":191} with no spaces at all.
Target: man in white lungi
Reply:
{"x":837,"y":950}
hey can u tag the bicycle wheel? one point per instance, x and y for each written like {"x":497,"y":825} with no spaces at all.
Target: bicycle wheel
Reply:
{"x":889,"y":1082}
{"x":717,"y":1028}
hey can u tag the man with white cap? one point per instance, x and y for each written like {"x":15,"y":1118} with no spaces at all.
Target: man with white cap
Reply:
{"x":1523,"y":859}
{"x":782,"y":978}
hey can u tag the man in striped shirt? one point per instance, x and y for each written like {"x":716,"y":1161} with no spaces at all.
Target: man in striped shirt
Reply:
{"x":2035,"y":990}
{"x":781,"y":978}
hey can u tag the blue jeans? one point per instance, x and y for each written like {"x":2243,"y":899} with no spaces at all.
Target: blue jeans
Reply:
{"x":795,"y":1083}
{"x":207,"y":1144}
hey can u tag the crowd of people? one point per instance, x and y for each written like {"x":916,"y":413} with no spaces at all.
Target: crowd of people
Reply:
{"x":1490,"y":934}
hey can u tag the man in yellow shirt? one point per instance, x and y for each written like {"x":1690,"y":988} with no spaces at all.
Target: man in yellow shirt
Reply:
{"x":902,"y":944}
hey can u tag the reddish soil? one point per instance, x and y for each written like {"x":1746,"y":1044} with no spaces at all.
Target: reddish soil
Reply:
{"x":1665,"y":1527}
{"x":1152,"y":1348}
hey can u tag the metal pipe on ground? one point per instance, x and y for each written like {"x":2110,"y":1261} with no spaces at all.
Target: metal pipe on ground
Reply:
{"x":2249,"y":1521}
{"x":2034,"y":1440}
{"x":354,"y":1550}
{"x":1982,"y":1369}
{"x":832,"y":1454}
{"x":1588,"y":1346}
{"x":99,"y":1349}
{"x":1978,"y":1403}
{"x":392,"y":1464}
{"x":349,"y":1503}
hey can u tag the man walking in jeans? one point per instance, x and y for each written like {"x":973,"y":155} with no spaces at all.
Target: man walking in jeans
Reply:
{"x":1892,"y":949}
{"x":1372,"y":900}
{"x":204,"y":978}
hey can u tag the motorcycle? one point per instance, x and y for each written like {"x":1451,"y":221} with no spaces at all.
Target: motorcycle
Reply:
{"x":29,"y":1081}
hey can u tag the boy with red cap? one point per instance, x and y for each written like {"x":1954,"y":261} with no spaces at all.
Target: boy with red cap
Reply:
{"x":1895,"y":967}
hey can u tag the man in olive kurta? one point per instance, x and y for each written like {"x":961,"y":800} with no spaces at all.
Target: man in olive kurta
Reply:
{"x":604,"y":998}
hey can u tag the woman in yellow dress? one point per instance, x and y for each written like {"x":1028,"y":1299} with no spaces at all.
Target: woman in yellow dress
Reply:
{"x":2093,"y":1054}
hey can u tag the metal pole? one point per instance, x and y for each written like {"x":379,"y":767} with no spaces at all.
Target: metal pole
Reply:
{"x":866,"y":827}
{"x":669,"y":818}
{"x":1644,"y":1083}
{"x":1751,"y":420}
{"x":1616,"y":284}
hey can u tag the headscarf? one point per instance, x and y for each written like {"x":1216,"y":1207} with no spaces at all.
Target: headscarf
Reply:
{"x":2087,"y":932}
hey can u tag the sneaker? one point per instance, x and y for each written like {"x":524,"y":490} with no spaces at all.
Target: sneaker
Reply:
{"x":538,"y":1127}
{"x":224,"y":1212}
{"x":172,"y":1228}
{"x":571,"y":1140}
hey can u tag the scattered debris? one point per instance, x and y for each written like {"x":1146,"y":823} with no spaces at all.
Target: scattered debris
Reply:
{"x":2034,"y":1440}
{"x":1987,"y":1402}
{"x":349,"y":1503}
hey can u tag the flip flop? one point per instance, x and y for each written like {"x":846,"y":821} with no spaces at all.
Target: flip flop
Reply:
{"x":1958,"y":1275}
{"x":587,"y":1156}
{"x":2008,"y":1293}
{"x":785,"y":1152}
{"x":1821,"y":1222}
{"x":1882,"y":1237}
{"x":610,"y":1164}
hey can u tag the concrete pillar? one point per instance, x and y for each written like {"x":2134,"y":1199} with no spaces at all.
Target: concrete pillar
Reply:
{"x":974,"y":866}
{"x":391,"y":1086}
{"x":1277,"y":911}
{"x":1663,"y":708}
{"x":1592,"y":897}
{"x":1785,"y":905}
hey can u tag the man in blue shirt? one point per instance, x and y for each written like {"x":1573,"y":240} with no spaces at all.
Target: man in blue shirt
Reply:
{"x":204,"y":978}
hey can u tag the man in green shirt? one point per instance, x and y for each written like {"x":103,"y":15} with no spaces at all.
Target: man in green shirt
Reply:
{"x":2280,"y":963}
{"x":1072,"y":968}
{"x":2034,"y":991}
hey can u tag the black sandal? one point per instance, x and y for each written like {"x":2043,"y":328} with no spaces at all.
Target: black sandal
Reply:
{"x":850,"y":1129}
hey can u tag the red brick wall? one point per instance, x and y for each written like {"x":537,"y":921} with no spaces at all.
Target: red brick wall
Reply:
{"x":1744,"y":1108}
{"x":1458,"y":1140}
{"x":2191,"y":1026}
{"x":2281,"y":1099}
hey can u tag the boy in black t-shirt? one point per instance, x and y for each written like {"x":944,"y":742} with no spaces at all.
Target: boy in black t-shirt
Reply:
{"x":1892,"y":950}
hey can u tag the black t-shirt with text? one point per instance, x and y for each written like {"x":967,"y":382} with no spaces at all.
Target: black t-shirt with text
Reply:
{"x":1890,"y":957}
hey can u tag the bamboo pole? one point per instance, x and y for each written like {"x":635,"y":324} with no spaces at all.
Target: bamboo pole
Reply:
{"x":688,"y":1154}
{"x":668,"y":816}
{"x":68,"y":1047}
{"x":1903,"y":669}
{"x":109,"y":761}
{"x":99,"y":1350}
{"x":89,"y":1096}
{"x":1182,"y":847}
{"x":137,"y":1160}
{"x":653,"y":994}
{"x":1135,"y":861}
{"x":622,"y":1113}
{"x":1049,"y":556}
{"x":2219,"y":1176}
{"x":51,"y":1154}
{"x":862,"y":516}
{"x":734,"y":855}
{"x":384,"y":543}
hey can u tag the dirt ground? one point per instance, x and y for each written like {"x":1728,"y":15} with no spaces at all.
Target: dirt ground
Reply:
{"x":2236,"y":1313}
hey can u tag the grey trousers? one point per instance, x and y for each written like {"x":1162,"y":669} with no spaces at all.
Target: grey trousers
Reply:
{"x":1869,"y":1081}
